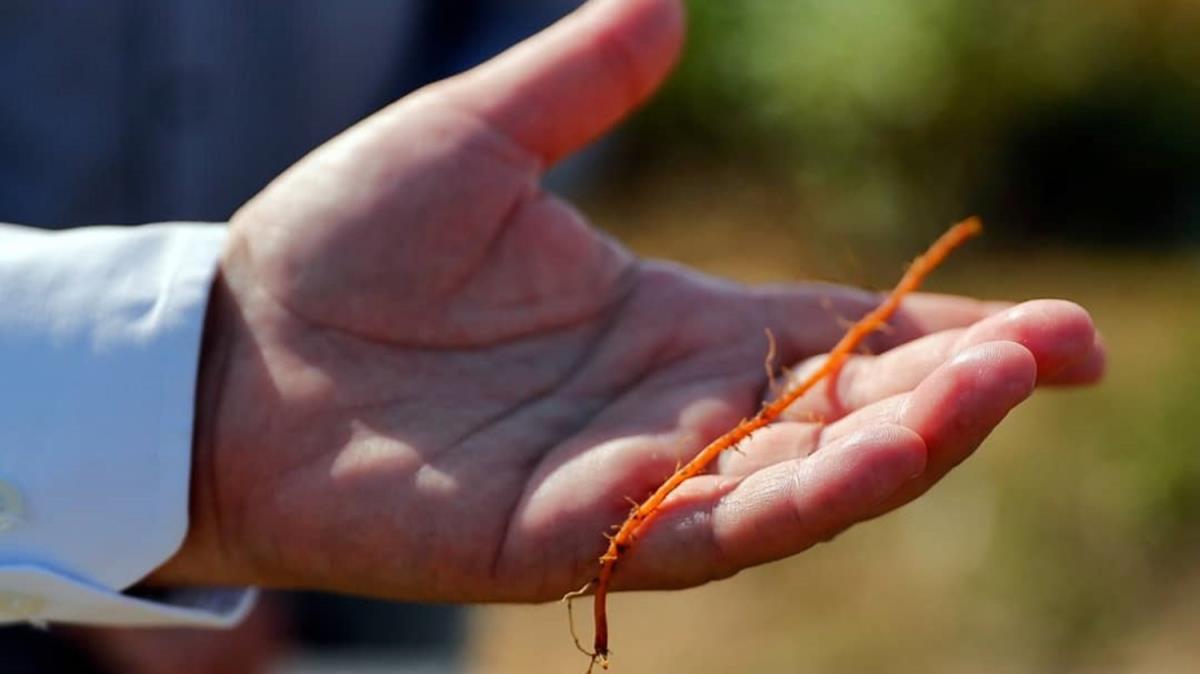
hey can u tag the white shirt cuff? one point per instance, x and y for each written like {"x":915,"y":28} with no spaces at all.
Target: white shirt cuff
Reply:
{"x":99,"y":342}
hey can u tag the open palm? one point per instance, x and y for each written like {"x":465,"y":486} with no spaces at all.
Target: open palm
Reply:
{"x":426,"y":378}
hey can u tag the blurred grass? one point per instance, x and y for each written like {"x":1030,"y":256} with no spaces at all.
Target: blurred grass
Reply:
{"x":1071,"y":543}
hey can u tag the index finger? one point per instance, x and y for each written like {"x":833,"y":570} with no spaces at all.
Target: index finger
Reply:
{"x":808,"y":319}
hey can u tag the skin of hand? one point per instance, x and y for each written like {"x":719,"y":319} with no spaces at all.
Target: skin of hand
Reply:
{"x":425,"y":378}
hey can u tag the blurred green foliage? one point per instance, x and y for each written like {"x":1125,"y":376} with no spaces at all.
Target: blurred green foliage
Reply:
{"x":1096,"y":522}
{"x":1068,"y":119}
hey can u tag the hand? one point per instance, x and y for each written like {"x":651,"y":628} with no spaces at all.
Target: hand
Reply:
{"x":425,"y":378}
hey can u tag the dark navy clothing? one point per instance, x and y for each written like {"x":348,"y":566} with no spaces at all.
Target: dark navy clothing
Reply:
{"x":131,"y":111}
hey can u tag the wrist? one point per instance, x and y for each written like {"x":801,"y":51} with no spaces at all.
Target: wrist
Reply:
{"x":203,"y":557}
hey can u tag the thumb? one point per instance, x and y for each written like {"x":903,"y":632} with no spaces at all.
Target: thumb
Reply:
{"x":563,"y":87}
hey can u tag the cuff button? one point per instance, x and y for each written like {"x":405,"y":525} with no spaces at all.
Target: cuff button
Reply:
{"x":16,"y":606}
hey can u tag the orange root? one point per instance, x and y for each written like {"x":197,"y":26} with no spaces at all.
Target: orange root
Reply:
{"x":640,"y":516}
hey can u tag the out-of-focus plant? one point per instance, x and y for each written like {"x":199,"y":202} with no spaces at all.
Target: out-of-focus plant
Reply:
{"x":1074,"y":118}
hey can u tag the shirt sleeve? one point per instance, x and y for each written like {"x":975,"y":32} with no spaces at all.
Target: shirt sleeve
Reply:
{"x":99,"y":343}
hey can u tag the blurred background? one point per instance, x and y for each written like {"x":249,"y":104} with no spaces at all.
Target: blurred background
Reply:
{"x":800,"y":139}
{"x":821,"y":139}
